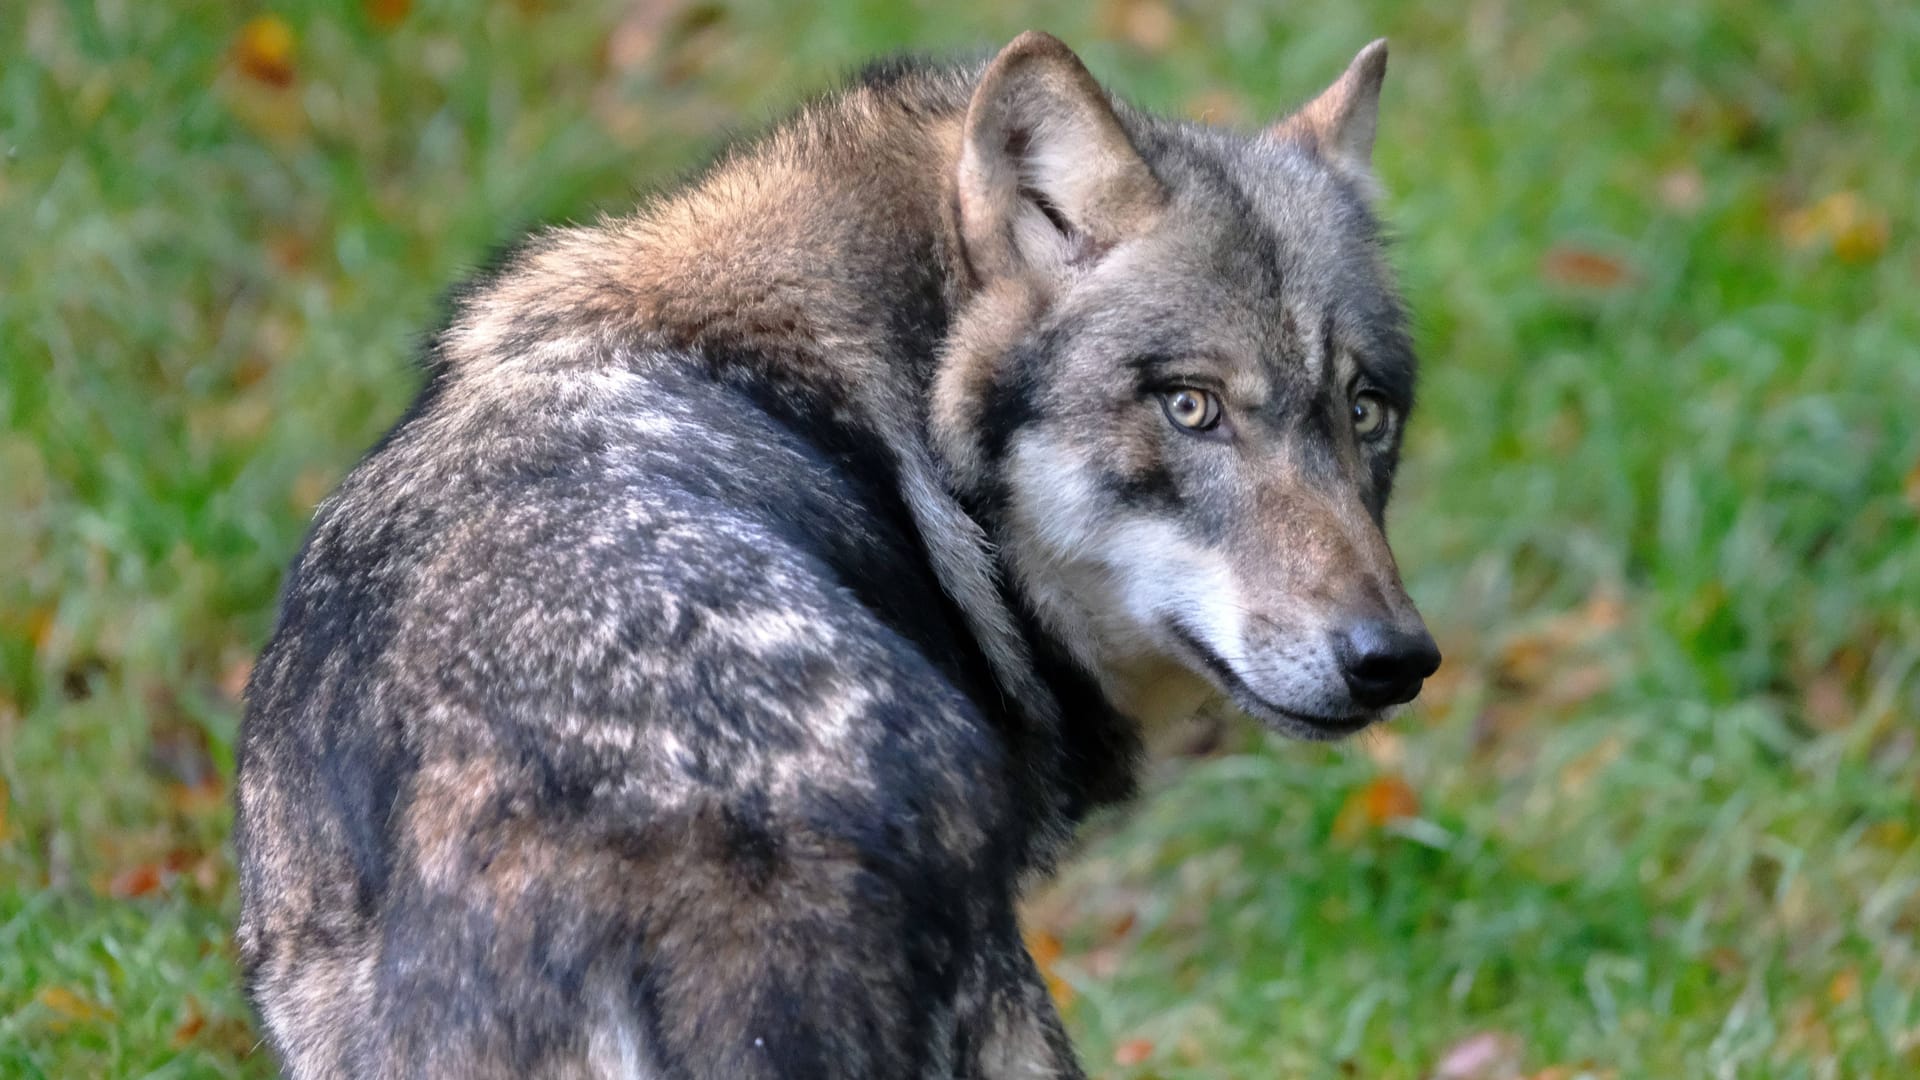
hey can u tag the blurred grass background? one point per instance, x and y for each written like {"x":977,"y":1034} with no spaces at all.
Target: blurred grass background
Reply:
{"x":1656,"y":817}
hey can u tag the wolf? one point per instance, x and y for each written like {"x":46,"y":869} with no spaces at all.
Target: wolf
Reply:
{"x":764,"y":584}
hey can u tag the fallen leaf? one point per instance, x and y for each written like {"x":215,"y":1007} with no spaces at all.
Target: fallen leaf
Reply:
{"x":1133,"y":1052}
{"x":1844,"y":987}
{"x":190,"y":1026}
{"x":227,"y":1035}
{"x":387,"y":14}
{"x":1487,"y":1055}
{"x":1046,"y":951}
{"x":289,"y":251}
{"x":1584,"y":268}
{"x":137,"y":881}
{"x":1888,"y":835}
{"x":70,"y":1008}
{"x":1843,"y":223}
{"x":41,"y":621}
{"x":264,"y":51}
{"x":200,"y":799}
{"x":1383,"y":799}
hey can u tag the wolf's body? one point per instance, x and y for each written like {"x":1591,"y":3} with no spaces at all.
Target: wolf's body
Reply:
{"x":756,"y":595}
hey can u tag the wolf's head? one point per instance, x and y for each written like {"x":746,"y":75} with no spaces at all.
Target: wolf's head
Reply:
{"x":1178,"y":384}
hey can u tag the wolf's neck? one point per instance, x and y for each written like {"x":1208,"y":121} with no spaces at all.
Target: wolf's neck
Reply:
{"x":822,"y":248}
{"x":826,"y":243}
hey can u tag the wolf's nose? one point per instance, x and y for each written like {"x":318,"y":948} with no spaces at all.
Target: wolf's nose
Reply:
{"x":1385,"y":664}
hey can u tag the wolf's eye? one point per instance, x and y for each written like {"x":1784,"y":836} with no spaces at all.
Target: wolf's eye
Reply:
{"x":1195,"y":410}
{"x":1369,"y":415}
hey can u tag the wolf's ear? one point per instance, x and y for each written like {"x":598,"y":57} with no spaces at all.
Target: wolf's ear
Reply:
{"x":1047,"y":178}
{"x":1340,"y":122}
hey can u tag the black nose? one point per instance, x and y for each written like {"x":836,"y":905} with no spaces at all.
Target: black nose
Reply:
{"x":1383,"y":663}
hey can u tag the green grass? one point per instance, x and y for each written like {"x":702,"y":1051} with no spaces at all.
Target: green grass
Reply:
{"x":1662,"y":505}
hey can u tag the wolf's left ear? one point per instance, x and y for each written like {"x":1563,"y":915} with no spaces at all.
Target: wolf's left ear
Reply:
{"x":1047,"y":178}
{"x":1340,"y":122}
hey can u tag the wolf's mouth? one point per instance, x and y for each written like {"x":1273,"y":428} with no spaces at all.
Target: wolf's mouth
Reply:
{"x":1297,"y":723}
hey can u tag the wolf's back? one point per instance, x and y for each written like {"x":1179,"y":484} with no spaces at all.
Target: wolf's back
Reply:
{"x":584,"y":714}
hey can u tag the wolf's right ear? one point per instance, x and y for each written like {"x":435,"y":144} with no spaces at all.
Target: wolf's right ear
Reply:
{"x":1340,"y":123}
{"x":1047,"y":179}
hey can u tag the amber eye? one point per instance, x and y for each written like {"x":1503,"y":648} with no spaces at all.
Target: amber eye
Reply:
{"x":1369,"y":415}
{"x":1195,"y":410}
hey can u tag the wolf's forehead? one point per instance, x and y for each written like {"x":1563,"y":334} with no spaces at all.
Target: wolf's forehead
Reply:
{"x":1270,"y":215}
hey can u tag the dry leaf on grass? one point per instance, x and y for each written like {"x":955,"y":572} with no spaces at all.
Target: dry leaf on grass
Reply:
{"x":1046,"y":951}
{"x":68,"y":1007}
{"x":264,"y":51}
{"x":1843,"y":223}
{"x":1133,"y":1052}
{"x":387,"y":14}
{"x":1383,"y":799}
{"x":1585,"y":268}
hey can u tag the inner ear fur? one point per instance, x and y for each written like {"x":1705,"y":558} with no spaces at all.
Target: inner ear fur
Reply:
{"x":1047,"y":177}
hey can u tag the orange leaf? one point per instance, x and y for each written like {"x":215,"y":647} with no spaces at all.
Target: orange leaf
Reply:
{"x":1584,"y":268}
{"x":1133,"y":1052}
{"x":387,"y":14}
{"x":1388,"y":798}
{"x":137,"y":881}
{"x":1844,"y":987}
{"x":1046,"y":951}
{"x":190,"y":1027}
{"x":264,"y":51}
{"x":1385,"y":798}
{"x":206,"y":797}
